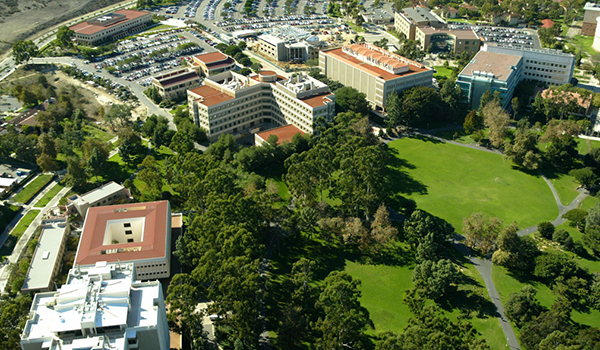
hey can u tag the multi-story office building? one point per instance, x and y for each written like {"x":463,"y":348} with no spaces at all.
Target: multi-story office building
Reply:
{"x":112,"y":26}
{"x":373,"y":71}
{"x":287,"y":43}
{"x":47,"y":257}
{"x":592,"y":12}
{"x":407,"y":21}
{"x":493,"y":72}
{"x":139,"y":233}
{"x":212,"y":63}
{"x":106,"y":194}
{"x":455,"y":41}
{"x":272,"y":46}
{"x":172,"y":84}
{"x":100,"y":307}
{"x":550,"y":67}
{"x":230,"y":103}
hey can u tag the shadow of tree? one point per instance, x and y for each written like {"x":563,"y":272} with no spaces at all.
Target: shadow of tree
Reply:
{"x":426,"y":138}
{"x":401,"y":181}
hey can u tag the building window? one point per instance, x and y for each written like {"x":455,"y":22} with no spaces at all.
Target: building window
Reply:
{"x":127,"y":224}
{"x":128,"y":232}
{"x":129,"y":240}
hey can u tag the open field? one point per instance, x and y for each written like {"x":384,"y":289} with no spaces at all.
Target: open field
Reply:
{"x":31,"y":189}
{"x":23,"y":18}
{"x":453,"y":182}
{"x":442,"y":71}
{"x":584,"y":146}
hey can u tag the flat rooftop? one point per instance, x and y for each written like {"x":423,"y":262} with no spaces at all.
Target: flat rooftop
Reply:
{"x":178,"y":79}
{"x":500,"y":65}
{"x":464,"y":34}
{"x":419,"y":14}
{"x":210,"y":96}
{"x":271,"y":39}
{"x":211,"y":57}
{"x":88,"y":28}
{"x":106,"y":190}
{"x":284,"y":133}
{"x":319,"y":100}
{"x":370,"y":69}
{"x":45,"y":256}
{"x":125,"y":232}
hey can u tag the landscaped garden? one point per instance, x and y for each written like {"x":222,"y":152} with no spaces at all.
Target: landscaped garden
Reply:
{"x":16,"y":233}
{"x":49,"y":195}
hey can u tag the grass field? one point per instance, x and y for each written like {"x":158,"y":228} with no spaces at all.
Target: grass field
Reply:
{"x":565,"y":186}
{"x":17,"y":232}
{"x":442,"y":72}
{"x":584,"y":43}
{"x":98,"y":133}
{"x":584,"y":146}
{"x":48,"y":196}
{"x":31,"y":189}
{"x":453,"y":182}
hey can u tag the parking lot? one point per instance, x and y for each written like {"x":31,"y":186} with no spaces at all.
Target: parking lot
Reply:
{"x":512,"y":37}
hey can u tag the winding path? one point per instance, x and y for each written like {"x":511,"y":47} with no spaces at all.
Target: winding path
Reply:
{"x":484,"y":266}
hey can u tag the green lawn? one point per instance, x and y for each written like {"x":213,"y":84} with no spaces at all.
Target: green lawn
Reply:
{"x":32,"y":188}
{"x":584,"y":146}
{"x":442,"y":71}
{"x":17,"y":232}
{"x":565,"y":186}
{"x":453,"y":182}
{"x":49,"y":195}
{"x":584,"y":43}
{"x":98,"y":133}
{"x":589,"y":202}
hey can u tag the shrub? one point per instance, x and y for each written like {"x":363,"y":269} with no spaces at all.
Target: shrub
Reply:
{"x":546,"y":229}
{"x":560,"y":236}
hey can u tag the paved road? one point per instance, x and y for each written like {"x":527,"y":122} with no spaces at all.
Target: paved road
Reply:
{"x":22,"y":243}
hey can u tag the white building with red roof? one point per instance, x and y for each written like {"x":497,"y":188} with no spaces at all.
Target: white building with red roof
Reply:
{"x":139,"y":233}
{"x":212,"y":63}
{"x":230,"y":103}
{"x":176,"y":83}
{"x":373,"y":71}
{"x":112,"y":26}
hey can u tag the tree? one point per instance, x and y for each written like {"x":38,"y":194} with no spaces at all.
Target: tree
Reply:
{"x":46,"y":162}
{"x":584,"y":176}
{"x":23,"y":51}
{"x":522,"y":306}
{"x":64,"y":35}
{"x":410,"y":49}
{"x":549,"y":266}
{"x":130,"y":145}
{"x":497,"y":120}
{"x":382,"y":231}
{"x":481,"y":232}
{"x":118,"y":115}
{"x":345,"y":319}
{"x":562,"y":151}
{"x":151,"y":175}
{"x":546,"y":229}
{"x":548,"y":322}
{"x":393,"y":107}
{"x":421,"y":105}
{"x":591,"y":238}
{"x":451,"y":94}
{"x":256,"y":67}
{"x":348,"y":99}
{"x":152,"y":93}
{"x":420,"y":224}
{"x":96,"y":162}
{"x":47,"y":145}
{"x":245,"y":71}
{"x":76,"y":175}
{"x":514,"y":252}
{"x":435,"y":280}
{"x":14,"y":312}
{"x":181,"y":142}
{"x":523,"y":151}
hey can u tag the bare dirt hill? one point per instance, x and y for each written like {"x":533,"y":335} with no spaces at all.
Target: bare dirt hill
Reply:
{"x":20,"y":19}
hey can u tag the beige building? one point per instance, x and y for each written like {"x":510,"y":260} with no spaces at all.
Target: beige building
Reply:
{"x":212,"y":63}
{"x":230,"y":103}
{"x":589,"y":25}
{"x":373,"y":71}
{"x":289,"y":48}
{"x":109,"y":193}
{"x":112,"y":26}
{"x":272,"y":46}
{"x":407,"y":21}
{"x":176,"y":83}
{"x":455,"y":41}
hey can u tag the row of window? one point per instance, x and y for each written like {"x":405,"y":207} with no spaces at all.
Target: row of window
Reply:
{"x":547,"y":64}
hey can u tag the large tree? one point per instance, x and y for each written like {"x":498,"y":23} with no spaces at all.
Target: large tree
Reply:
{"x":481,"y":232}
{"x":497,"y":120}
{"x":23,"y":51}
{"x":64,"y":35}
{"x":348,"y":99}
{"x":522,"y":306}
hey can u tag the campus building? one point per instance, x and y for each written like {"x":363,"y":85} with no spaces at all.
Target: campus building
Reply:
{"x":106,"y":194}
{"x":212,"y":63}
{"x":172,"y":84}
{"x":373,"y":71}
{"x":230,"y":103}
{"x":287,"y":43}
{"x":590,"y":23}
{"x":493,"y":72}
{"x":100,"y":307}
{"x":139,"y":233}
{"x":378,"y":16}
{"x":443,"y":39}
{"x":47,"y":257}
{"x":547,"y":66}
{"x":112,"y":26}
{"x":407,"y":21}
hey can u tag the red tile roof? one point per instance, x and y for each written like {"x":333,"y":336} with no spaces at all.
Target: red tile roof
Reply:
{"x":283,"y":133}
{"x":316,"y":101}
{"x":210,"y":96}
{"x":177,"y":79}
{"x":152,"y":246}
{"x":86,"y":28}
{"x":547,"y":23}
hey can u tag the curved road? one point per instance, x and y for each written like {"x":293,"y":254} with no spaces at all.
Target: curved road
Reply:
{"x":484,"y":266}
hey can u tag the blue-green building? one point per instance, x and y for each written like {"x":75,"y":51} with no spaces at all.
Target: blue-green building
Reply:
{"x":490,"y":71}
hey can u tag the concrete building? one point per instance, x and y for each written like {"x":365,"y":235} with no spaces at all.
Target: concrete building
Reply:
{"x":139,"y":233}
{"x":550,"y":67}
{"x":373,"y":71}
{"x":490,"y":71}
{"x":596,"y":43}
{"x":106,"y":194}
{"x":100,"y":307}
{"x":212,"y":63}
{"x":378,"y":16}
{"x":112,"y":26}
{"x":230,"y":103}
{"x":47,"y":257}
{"x":443,"y":39}
{"x":407,"y":21}
{"x":287,"y":43}
{"x":175,"y":83}
{"x":590,"y":23}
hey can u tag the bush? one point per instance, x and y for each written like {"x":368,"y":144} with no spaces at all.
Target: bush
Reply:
{"x":546,"y":229}
{"x":576,"y":217}
{"x":560,"y":236}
